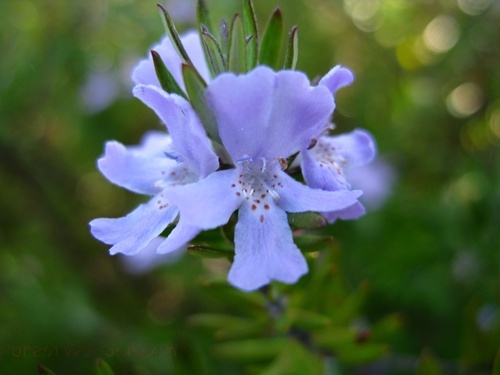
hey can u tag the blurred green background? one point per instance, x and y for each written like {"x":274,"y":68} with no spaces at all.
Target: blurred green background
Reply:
{"x":416,"y":280}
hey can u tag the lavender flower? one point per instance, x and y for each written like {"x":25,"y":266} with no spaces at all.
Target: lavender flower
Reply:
{"x":263,"y":118}
{"x":187,"y":158}
{"x":327,"y":160}
{"x":257,"y":120}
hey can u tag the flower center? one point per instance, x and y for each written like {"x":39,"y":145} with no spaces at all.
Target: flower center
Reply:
{"x":328,"y":157}
{"x":181,"y":174}
{"x":257,"y":183}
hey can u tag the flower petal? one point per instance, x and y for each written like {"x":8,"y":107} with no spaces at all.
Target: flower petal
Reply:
{"x":132,"y":170}
{"x":208,"y":203}
{"x":132,"y":233}
{"x":267,"y":114}
{"x":178,"y":238}
{"x":148,"y":258}
{"x":192,"y":44}
{"x":145,"y":73}
{"x":337,"y":78}
{"x":326,"y":164}
{"x":188,"y":135}
{"x":297,"y":197}
{"x":350,"y":213}
{"x":322,"y":176}
{"x":356,"y":147}
{"x":264,"y":250}
{"x":153,"y":144}
{"x":376,"y":180}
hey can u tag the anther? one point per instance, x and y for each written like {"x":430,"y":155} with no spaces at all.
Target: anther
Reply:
{"x":312,"y":143}
{"x":283,"y":163}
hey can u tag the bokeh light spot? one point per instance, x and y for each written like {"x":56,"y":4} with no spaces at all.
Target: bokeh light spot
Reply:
{"x":465,"y":100}
{"x":473,"y":7}
{"x":441,"y":34}
{"x":364,"y":13}
{"x":495,"y":122}
{"x":468,"y":188}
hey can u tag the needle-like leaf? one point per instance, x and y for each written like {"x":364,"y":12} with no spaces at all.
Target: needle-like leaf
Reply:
{"x":213,"y":52}
{"x":292,"y":52}
{"x":195,"y":88}
{"x":270,"y":47}
{"x":251,"y":33}
{"x":166,"y":78}
{"x":174,"y":36}
{"x":237,"y":46}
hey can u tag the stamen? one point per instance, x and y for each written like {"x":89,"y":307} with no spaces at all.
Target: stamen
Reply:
{"x":160,"y":184}
{"x":274,"y":194}
{"x":245,"y":160}
{"x":172,"y":156}
{"x":264,"y":162}
{"x":312,"y":144}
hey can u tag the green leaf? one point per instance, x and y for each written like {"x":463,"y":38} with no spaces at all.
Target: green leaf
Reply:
{"x":44,"y":370}
{"x":203,"y":16}
{"x":349,"y":308}
{"x":427,"y":365}
{"x":292,"y":52}
{"x":228,"y":326}
{"x":167,"y":80}
{"x":209,"y":252}
{"x":251,"y":34}
{"x":251,"y":350}
{"x":174,"y":36}
{"x":195,"y":87}
{"x":496,"y":365}
{"x":213,"y":52}
{"x":386,"y":327}
{"x":307,"y":319}
{"x":102,"y":367}
{"x":294,"y":359}
{"x":270,"y":47}
{"x":237,"y":46}
{"x":334,"y":337}
{"x":357,"y":354}
{"x":224,"y":38}
{"x":306,"y":220}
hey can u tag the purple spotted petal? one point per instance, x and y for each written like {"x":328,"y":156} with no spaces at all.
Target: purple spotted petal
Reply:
{"x":132,"y":170}
{"x":264,"y":250}
{"x":145,"y":73}
{"x":350,"y":213}
{"x":132,"y":233}
{"x":265,"y":114}
{"x":188,"y":135}
{"x":326,"y":165}
{"x":326,"y":176}
{"x":356,"y":148}
{"x":208,"y":203}
{"x":297,"y":197}
{"x":337,"y":78}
